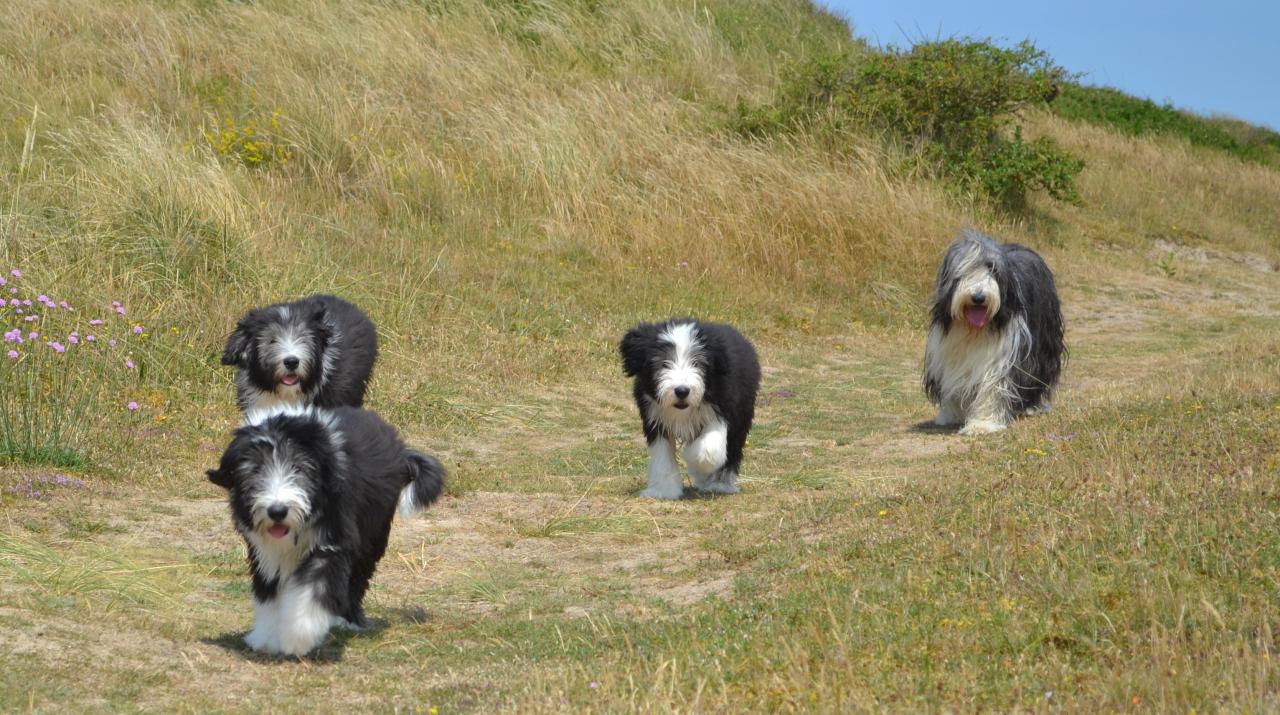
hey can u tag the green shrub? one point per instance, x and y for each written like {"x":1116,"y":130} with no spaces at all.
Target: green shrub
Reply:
{"x":1136,"y":116}
{"x":951,"y":103}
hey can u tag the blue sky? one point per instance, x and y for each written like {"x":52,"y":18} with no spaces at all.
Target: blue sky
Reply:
{"x":1210,"y":57}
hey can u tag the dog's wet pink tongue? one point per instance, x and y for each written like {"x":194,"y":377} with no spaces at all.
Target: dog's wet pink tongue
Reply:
{"x":278,"y":531}
{"x":289,"y":379}
{"x":976,"y":316}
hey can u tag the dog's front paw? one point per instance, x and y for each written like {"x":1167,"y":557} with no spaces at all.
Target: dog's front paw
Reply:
{"x":261,"y":641}
{"x":974,"y":428}
{"x":719,"y":487}
{"x":663,"y":492}
{"x":346,"y":625}
{"x":301,"y":642}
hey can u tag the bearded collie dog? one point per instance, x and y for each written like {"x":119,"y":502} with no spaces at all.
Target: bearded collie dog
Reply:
{"x":313,"y":493}
{"x":695,"y":384}
{"x":995,"y":346}
{"x":314,"y":351}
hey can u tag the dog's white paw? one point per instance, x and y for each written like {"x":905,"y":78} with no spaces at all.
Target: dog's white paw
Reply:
{"x":716,"y":487}
{"x":262,"y":641}
{"x":300,"y":641}
{"x":344,"y":624}
{"x":663,"y":492}
{"x":983,"y":427}
{"x":948,"y":415}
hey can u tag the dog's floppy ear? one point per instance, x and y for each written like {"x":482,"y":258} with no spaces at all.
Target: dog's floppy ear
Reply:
{"x":320,"y":320}
{"x":635,"y":348}
{"x":217,"y":476}
{"x":237,"y":350}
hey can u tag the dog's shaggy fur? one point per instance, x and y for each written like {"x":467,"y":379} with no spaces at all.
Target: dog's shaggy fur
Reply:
{"x":995,"y":346}
{"x":313,"y":493}
{"x":314,"y":351}
{"x":695,"y":383}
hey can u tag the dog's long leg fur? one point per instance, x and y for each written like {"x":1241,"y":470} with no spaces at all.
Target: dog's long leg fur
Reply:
{"x":664,"y":472}
{"x":707,"y":452}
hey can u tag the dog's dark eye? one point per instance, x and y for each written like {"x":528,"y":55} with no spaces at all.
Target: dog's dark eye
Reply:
{"x":991,"y":266}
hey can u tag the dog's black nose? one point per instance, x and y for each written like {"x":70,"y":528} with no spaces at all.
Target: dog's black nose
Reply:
{"x":291,"y":363}
{"x":278,"y":511}
{"x":681,"y":392}
{"x":979,"y":297}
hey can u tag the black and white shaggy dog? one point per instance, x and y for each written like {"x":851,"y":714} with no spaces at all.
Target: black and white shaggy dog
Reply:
{"x":695,"y":383}
{"x":314,"y":351}
{"x":995,"y":347}
{"x":313,"y":493}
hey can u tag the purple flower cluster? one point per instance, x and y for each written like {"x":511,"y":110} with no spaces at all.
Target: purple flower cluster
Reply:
{"x":22,"y":309}
{"x":42,"y":486}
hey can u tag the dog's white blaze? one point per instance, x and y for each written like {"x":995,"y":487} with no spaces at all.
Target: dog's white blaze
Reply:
{"x":303,"y":621}
{"x":279,"y":558}
{"x":258,"y":400}
{"x":683,"y":369}
{"x":683,"y":425}
{"x":664,"y":472}
{"x":974,"y":277}
{"x":972,"y":372}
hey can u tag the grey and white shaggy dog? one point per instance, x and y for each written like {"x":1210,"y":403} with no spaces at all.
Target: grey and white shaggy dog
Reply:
{"x":317,"y":351}
{"x":995,"y":346}
{"x":313,"y":493}
{"x":696,"y":384}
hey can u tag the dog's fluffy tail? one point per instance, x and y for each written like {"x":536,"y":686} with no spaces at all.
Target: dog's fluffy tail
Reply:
{"x":426,"y":481}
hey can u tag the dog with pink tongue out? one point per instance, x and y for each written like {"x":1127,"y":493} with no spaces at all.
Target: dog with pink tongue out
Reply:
{"x":996,"y":347}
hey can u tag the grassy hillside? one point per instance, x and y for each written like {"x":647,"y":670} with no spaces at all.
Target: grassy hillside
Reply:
{"x":1111,"y":107}
{"x":505,"y":187}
